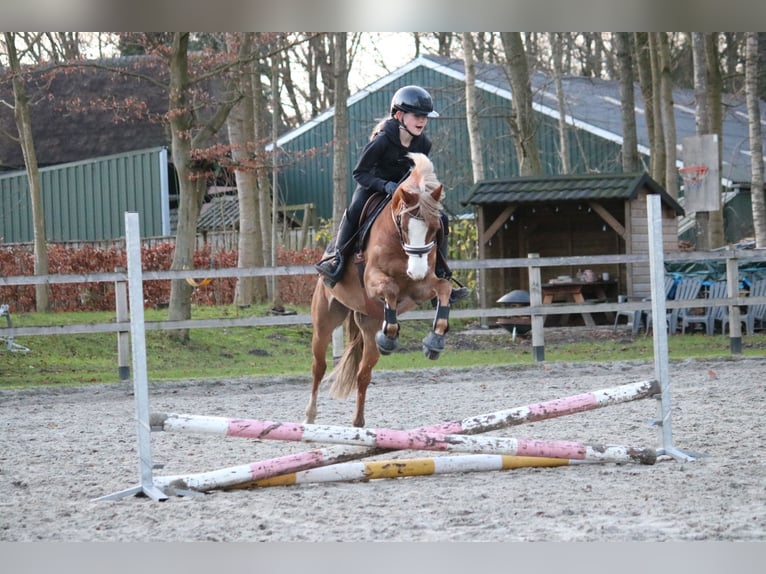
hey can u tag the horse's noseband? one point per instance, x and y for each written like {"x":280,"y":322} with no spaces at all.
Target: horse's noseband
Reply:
{"x":411,"y":250}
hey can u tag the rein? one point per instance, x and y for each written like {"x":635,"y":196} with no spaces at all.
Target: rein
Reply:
{"x":411,"y":250}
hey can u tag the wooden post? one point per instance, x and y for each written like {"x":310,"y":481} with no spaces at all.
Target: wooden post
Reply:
{"x":123,"y":337}
{"x":732,"y":286}
{"x":535,"y":300}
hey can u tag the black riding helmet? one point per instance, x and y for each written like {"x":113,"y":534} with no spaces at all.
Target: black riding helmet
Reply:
{"x":415,"y":100}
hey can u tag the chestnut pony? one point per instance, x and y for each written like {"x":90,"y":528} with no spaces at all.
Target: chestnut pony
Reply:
{"x":398,"y":274}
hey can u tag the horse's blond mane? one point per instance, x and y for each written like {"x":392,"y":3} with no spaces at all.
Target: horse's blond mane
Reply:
{"x":423,"y":180}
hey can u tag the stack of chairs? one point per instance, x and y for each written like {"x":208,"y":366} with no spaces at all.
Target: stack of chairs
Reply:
{"x":635,"y":318}
{"x":717,"y":290}
{"x":685,"y":290}
{"x":755,"y":314}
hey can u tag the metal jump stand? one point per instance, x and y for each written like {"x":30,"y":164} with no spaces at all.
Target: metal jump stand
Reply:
{"x":10,"y":345}
{"x":660,"y":335}
{"x":146,"y":484}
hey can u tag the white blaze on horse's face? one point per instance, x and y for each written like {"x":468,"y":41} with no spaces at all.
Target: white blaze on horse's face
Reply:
{"x":417,"y":263}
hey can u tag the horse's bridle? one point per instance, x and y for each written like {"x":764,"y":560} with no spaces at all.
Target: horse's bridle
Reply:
{"x":410,"y":249}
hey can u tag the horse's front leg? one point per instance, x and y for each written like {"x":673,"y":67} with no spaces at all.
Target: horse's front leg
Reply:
{"x":367,"y":362}
{"x":433,"y":343}
{"x":387,"y":338}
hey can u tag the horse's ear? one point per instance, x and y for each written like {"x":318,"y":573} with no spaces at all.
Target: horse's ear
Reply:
{"x":409,"y":197}
{"x":437,"y":193}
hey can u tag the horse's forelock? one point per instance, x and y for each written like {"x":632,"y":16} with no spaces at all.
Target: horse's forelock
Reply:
{"x":423,"y":180}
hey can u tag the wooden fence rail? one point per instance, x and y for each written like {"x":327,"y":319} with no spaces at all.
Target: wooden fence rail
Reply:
{"x":733,"y":258}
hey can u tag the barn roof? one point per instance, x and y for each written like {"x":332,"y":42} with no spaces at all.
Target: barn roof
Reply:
{"x":561,"y":188}
{"x":73,"y":111}
{"x":594,"y":105}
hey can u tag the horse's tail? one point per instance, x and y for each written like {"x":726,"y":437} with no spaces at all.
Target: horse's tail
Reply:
{"x":343,"y":375}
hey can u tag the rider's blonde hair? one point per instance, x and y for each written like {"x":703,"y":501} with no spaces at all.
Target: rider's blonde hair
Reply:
{"x":378,"y":128}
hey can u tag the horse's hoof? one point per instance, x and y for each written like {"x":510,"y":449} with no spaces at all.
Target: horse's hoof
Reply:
{"x":433,"y":345}
{"x":433,"y":355}
{"x":386,"y":345}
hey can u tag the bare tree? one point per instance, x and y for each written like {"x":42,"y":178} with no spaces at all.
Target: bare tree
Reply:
{"x":630,"y":157}
{"x":668,"y":115}
{"x":471,"y":113}
{"x":715,"y":237}
{"x":658,"y":145}
{"x":262,"y":131}
{"x":340,"y":170}
{"x":702,"y":122}
{"x":188,"y":133}
{"x":558,"y":71}
{"x":524,"y":129}
{"x":756,"y":139}
{"x":241,"y":129}
{"x":24,"y":126}
{"x":644,"y":66}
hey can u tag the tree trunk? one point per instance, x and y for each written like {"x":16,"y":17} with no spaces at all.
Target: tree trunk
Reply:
{"x":340,"y":168}
{"x":701,"y":115}
{"x":260,"y":112}
{"x":658,"y":149}
{"x":558,"y":72}
{"x":241,"y":129}
{"x":524,"y":127}
{"x":702,"y":122}
{"x":630,"y":157}
{"x":668,"y":115}
{"x":472,"y":116}
{"x":191,"y":181}
{"x":715,"y":104}
{"x":644,"y":65}
{"x":274,"y":280}
{"x":756,"y":141}
{"x":24,"y":126}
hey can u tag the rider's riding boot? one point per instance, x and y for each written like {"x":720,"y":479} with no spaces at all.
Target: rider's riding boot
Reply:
{"x":443,"y":271}
{"x":333,"y":265}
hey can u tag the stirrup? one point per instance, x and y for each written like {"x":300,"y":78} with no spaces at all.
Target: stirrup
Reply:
{"x":459,"y":294}
{"x":331,"y":268}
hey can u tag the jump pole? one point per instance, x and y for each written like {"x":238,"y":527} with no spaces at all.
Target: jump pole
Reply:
{"x":403,"y":467}
{"x":232,"y":476}
{"x":397,"y":439}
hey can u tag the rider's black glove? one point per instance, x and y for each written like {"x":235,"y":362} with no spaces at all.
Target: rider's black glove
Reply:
{"x":391,"y":187}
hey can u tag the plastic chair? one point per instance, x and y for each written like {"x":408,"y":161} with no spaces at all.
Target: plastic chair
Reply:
{"x":670,"y":289}
{"x":755,"y":313}
{"x":717,"y":290}
{"x":633,"y":318}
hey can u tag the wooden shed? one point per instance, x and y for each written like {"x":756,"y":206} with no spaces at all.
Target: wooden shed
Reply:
{"x":565,"y":216}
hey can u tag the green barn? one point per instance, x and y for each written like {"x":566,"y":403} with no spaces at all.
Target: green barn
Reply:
{"x":593,"y":115}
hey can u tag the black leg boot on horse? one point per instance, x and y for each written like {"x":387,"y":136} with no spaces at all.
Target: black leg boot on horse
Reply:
{"x":332,"y":266}
{"x":443,"y":271}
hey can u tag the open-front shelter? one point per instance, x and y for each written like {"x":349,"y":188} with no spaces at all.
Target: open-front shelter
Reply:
{"x":565,"y":216}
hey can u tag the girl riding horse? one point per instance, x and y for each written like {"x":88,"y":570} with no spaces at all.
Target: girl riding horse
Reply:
{"x":396,"y":272}
{"x":381,"y":166}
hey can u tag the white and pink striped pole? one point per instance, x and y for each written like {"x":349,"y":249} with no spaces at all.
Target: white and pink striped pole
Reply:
{"x":241,"y":474}
{"x":398,"y":439}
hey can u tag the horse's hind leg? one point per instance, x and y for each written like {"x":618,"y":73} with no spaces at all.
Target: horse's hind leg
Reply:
{"x":325,"y":317}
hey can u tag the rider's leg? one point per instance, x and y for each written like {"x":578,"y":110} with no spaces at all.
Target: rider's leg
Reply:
{"x":332,"y":267}
{"x":442,"y":268}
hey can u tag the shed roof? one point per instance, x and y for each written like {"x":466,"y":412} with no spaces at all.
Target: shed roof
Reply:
{"x":221,"y":213}
{"x":577,"y":187}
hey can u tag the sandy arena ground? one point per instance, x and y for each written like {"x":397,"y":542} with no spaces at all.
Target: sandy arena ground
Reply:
{"x":61,"y":448}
